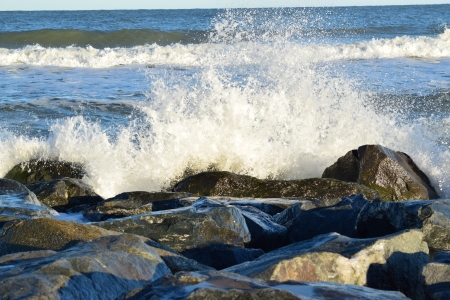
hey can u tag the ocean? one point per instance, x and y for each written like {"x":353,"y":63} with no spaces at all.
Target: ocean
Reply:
{"x":143,"y":97}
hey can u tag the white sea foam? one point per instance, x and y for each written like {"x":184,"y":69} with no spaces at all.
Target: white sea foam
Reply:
{"x":201,"y":55}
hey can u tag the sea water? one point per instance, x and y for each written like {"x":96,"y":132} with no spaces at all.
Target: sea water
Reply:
{"x":143,"y":97}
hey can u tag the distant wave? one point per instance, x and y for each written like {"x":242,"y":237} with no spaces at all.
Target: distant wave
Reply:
{"x":97,"y":39}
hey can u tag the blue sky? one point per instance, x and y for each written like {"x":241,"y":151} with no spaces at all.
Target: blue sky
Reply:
{"x":160,"y":4}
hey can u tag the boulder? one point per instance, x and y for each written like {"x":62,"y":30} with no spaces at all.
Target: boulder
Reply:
{"x":44,"y":170}
{"x":228,"y":184}
{"x":18,"y":202}
{"x":436,"y":277}
{"x":46,"y":234}
{"x":64,"y":193}
{"x":390,"y":263}
{"x":271,"y":206}
{"x":103,"y":269}
{"x":133,"y":203}
{"x":265,"y":233}
{"x":204,"y":223}
{"x":340,"y":218}
{"x":223,"y":285}
{"x":393,"y":174}
{"x":222,"y":256}
{"x":431,"y":216}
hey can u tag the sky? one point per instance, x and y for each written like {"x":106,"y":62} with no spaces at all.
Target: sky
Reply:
{"x":172,"y":4}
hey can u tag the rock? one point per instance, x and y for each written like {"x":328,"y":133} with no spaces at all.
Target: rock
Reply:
{"x":103,"y":269}
{"x":390,"y":263}
{"x":222,"y":256}
{"x":222,"y":285}
{"x":393,"y":174}
{"x":65,"y":193}
{"x":436,"y":277}
{"x":204,"y":223}
{"x":46,"y":234}
{"x":233,"y":185}
{"x":431,"y":216}
{"x":340,"y":218}
{"x":44,"y":170}
{"x":133,"y":203}
{"x":17,"y":202}
{"x":265,"y":233}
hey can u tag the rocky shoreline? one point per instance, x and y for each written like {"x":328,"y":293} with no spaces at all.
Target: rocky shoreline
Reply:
{"x":373,"y":227}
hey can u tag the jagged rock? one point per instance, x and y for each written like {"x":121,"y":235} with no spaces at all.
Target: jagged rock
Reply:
{"x":265,"y":233}
{"x":391,"y":263}
{"x":432,"y":217}
{"x":18,"y":202}
{"x":222,"y":285}
{"x":44,"y":170}
{"x":64,"y":193}
{"x":46,"y":234}
{"x":436,"y":277}
{"x":134,"y":203}
{"x":222,"y":256}
{"x":340,"y":218}
{"x":103,"y":269}
{"x":393,"y":174}
{"x":233,"y":185}
{"x":204,"y":223}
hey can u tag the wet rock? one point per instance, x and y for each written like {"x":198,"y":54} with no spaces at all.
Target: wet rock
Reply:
{"x":222,"y":256}
{"x":222,"y":285}
{"x":46,"y":234}
{"x":233,"y":185}
{"x":340,"y":218}
{"x":102,"y":269}
{"x":204,"y":223}
{"x":65,"y":193}
{"x":44,"y":170}
{"x":436,"y":277}
{"x":17,"y":202}
{"x":134,"y":203}
{"x":265,"y":233}
{"x":432,"y":217}
{"x":393,"y":174}
{"x":389,"y":263}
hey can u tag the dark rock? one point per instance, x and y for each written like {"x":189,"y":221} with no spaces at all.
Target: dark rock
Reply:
{"x":436,"y":277}
{"x":17,"y":202}
{"x":391,"y":262}
{"x":340,"y":218}
{"x":204,"y":223}
{"x":432,"y":217}
{"x":393,"y":174}
{"x":46,"y":234}
{"x":222,"y":285}
{"x":233,"y":185}
{"x":102,"y":269}
{"x":265,"y":233}
{"x":44,"y":170}
{"x":65,"y":193}
{"x":134,"y":203}
{"x":222,"y":256}
{"x":271,"y":206}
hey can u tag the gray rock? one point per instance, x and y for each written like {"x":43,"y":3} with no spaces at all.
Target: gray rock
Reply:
{"x":102,"y":269}
{"x":64,"y":193}
{"x":233,"y":185}
{"x":340,"y":218}
{"x":204,"y":223}
{"x":392,"y":262}
{"x":436,"y":277}
{"x":222,"y":256}
{"x":134,"y":203}
{"x":393,"y":174}
{"x":44,"y":170}
{"x":432,"y":217}
{"x":222,"y":285}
